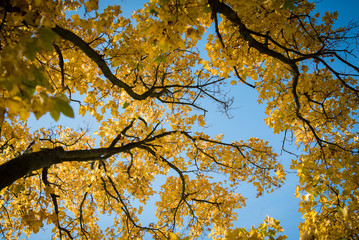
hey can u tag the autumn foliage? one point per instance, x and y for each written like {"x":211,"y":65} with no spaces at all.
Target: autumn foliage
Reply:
{"x":143,"y":79}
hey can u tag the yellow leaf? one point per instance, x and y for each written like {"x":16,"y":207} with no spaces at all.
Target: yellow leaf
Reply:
{"x":200,"y":120}
{"x":174,"y":237}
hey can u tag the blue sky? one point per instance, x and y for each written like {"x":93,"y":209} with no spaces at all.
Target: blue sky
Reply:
{"x":247,"y":121}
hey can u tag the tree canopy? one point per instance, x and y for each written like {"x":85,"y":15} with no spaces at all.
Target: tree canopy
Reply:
{"x":143,"y":79}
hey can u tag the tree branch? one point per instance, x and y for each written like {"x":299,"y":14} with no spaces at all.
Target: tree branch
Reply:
{"x":18,"y":167}
{"x":101,"y":63}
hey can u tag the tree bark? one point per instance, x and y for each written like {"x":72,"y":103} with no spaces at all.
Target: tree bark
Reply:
{"x":19,"y":167}
{"x":103,"y":66}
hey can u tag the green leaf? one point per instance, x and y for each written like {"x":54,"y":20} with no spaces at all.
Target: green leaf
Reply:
{"x":19,"y":188}
{"x":62,"y":97}
{"x":207,"y":9}
{"x":8,"y":83}
{"x":31,"y":49}
{"x":42,"y":79}
{"x":125,"y":105}
{"x":46,"y":37}
{"x":289,"y":5}
{"x":161,"y":58}
{"x":61,"y":104}
{"x":55,"y":114}
{"x":154,"y":12}
{"x":31,"y":90}
{"x":66,"y":109}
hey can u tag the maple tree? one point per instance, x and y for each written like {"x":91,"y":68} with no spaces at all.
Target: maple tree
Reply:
{"x":142,"y":79}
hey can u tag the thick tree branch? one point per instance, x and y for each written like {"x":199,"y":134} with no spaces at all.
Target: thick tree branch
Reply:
{"x":101,"y":63}
{"x":18,"y":167}
{"x":224,"y":9}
